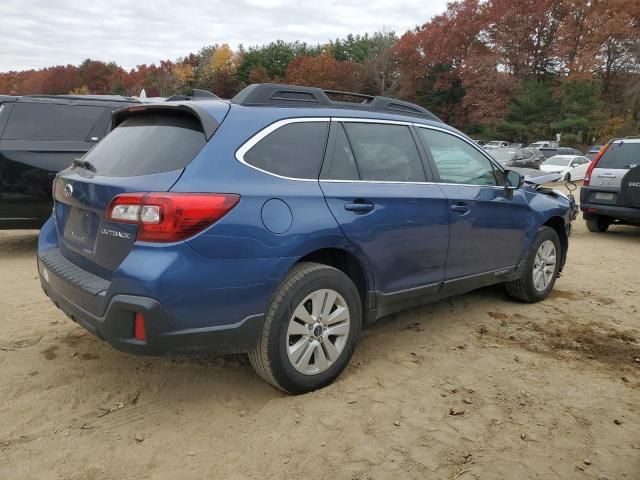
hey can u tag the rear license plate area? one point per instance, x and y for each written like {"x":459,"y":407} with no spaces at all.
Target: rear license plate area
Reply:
{"x":79,"y":228}
{"x":604,"y":196}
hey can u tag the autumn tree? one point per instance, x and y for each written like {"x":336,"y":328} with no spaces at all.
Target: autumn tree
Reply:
{"x":324,"y":71}
{"x":274,"y":58}
{"x":520,"y":70}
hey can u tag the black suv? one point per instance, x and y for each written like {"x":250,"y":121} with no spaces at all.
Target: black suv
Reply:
{"x":611,"y":190}
{"x":39,"y":136}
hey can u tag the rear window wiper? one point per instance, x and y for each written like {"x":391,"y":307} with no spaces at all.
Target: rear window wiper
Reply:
{"x":78,"y":162}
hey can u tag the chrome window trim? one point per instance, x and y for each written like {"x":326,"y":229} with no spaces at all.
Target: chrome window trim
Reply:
{"x":249,"y":144}
{"x":246,"y":146}
{"x":333,"y":180}
{"x":370,"y":120}
{"x":326,"y":180}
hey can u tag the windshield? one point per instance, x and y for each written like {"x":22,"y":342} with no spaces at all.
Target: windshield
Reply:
{"x":503,"y":156}
{"x":620,"y":155}
{"x":558,"y":161}
{"x":146,"y":144}
{"x":495,"y":142}
{"x":522,"y":154}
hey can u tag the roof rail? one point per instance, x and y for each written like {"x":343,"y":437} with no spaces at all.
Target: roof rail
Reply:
{"x":196,"y":94}
{"x":265,"y":94}
{"x":100,"y":98}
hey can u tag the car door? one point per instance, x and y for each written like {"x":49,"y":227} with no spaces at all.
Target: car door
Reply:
{"x":375,"y":185}
{"x":579,"y":168}
{"x":488,"y":222}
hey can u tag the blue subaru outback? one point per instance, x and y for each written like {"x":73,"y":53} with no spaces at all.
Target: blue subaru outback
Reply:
{"x":281,"y":222}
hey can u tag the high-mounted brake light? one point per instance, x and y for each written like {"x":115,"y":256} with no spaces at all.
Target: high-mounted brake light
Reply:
{"x":592,"y":165}
{"x":138,"y":108}
{"x":170,"y":217}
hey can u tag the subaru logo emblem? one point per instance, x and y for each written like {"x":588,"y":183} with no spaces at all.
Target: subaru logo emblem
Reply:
{"x":68,"y":190}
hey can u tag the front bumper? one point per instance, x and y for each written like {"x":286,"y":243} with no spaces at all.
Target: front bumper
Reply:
{"x":79,"y":295}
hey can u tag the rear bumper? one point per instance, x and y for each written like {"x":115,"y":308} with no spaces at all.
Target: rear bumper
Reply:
{"x":84,"y":298}
{"x":162,"y":331}
{"x":613,"y":211}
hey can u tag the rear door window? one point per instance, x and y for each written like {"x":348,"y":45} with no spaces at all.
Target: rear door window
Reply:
{"x":620,"y":155}
{"x":51,"y":122}
{"x":294,"y":150}
{"x":385,"y":152}
{"x":343,"y":163}
{"x":148,"y":143}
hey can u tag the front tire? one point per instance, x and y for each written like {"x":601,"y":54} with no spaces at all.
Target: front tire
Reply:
{"x":310,"y":330}
{"x":542,"y":265}
{"x":567,"y":177}
{"x":597,"y":224}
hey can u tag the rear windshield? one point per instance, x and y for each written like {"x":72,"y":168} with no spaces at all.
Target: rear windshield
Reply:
{"x":620,"y":155}
{"x":148,"y":143}
{"x":51,"y":122}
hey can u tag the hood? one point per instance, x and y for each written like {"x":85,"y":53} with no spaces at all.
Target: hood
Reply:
{"x":536,"y":176}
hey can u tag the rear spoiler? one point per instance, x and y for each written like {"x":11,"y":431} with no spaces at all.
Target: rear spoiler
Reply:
{"x":209,"y":124}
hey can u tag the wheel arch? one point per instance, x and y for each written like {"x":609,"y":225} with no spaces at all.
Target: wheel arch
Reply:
{"x":352,"y":266}
{"x":558,"y":224}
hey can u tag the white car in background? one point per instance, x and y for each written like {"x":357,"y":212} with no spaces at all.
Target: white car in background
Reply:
{"x":571,"y":167}
{"x":492,"y":145}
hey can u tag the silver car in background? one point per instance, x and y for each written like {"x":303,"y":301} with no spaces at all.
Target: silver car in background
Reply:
{"x":611,"y":189}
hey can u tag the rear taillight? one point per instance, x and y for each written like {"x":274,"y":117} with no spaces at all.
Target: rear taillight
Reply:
{"x":170,"y":217}
{"x":592,"y":165}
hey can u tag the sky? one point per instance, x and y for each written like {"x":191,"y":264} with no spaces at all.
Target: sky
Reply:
{"x":43,"y":33}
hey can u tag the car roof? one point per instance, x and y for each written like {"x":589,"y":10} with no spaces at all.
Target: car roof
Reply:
{"x":283,"y":112}
{"x":567,"y":157}
{"x":70,"y":99}
{"x":281,"y":95}
{"x":271,"y":114}
{"x":626,"y":140}
{"x":95,"y":98}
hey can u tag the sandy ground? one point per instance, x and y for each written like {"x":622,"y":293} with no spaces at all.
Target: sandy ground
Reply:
{"x":473,"y":387}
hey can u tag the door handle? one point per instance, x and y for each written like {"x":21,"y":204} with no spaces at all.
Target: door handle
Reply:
{"x":460,"y":207}
{"x":359,"y":206}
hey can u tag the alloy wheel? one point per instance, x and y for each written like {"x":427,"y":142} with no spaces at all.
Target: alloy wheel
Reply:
{"x":318,"y":331}
{"x":544,"y":265}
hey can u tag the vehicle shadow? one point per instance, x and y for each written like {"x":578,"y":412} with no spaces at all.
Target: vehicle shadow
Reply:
{"x":18,"y":242}
{"x":210,"y":380}
{"x":621,"y":232}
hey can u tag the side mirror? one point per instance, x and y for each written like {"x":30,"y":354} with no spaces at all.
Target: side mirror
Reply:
{"x":513,"y":180}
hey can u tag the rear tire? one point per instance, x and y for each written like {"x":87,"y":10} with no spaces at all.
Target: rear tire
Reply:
{"x":310,"y":330}
{"x":539,"y":276}
{"x":598,"y":224}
